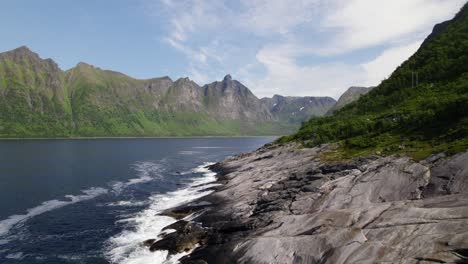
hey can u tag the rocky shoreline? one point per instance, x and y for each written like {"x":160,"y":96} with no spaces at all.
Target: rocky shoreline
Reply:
{"x":284,"y":204}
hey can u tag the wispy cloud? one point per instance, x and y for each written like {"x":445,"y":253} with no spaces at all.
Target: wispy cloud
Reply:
{"x":299,"y":47}
{"x":276,"y":16}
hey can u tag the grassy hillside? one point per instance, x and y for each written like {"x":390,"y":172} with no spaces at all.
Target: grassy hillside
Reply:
{"x":33,"y":98}
{"x":396,"y":117}
{"x":38,"y":99}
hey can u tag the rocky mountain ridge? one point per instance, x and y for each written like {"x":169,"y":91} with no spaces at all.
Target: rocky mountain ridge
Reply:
{"x":298,"y":109}
{"x":40,"y":100}
{"x":352,"y":94}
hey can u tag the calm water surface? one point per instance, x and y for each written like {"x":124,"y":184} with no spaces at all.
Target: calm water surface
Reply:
{"x":92,"y":201}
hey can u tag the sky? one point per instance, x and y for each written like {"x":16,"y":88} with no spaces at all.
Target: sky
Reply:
{"x":294,"y":48}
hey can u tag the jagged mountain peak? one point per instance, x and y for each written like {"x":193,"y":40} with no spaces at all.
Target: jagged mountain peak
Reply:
{"x":185,"y":81}
{"x":23,"y":48}
{"x":25,"y":57}
{"x":233,"y":87}
{"x":22,"y":54}
{"x":182,"y":79}
{"x":228,"y":77}
{"x":165,"y":78}
{"x":84,"y":64}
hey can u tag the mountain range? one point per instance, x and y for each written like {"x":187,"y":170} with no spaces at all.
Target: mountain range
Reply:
{"x":38,"y":99}
{"x":298,"y":109}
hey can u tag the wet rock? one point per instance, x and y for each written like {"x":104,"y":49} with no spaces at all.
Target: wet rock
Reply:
{"x":148,"y":242}
{"x":185,"y":210}
{"x":186,"y":236}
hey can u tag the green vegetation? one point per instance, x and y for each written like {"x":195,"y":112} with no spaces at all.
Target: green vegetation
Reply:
{"x":37,"y":99}
{"x":398,"y":118}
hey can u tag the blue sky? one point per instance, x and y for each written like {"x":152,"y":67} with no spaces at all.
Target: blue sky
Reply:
{"x":301,"y":47}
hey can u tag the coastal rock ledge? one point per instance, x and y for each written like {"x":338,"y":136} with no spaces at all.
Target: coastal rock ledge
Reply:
{"x":284,"y":204}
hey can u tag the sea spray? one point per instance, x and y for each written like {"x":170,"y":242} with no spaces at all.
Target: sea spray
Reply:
{"x":126,"y":247}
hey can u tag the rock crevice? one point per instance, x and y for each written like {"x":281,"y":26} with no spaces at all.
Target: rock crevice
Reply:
{"x":283,"y":204}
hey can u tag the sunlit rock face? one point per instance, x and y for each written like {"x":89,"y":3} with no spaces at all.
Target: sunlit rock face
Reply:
{"x":286,"y":205}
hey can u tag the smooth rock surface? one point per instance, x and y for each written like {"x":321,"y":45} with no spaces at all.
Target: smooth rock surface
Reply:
{"x":283,"y":204}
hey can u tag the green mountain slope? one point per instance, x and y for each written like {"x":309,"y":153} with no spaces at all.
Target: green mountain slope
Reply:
{"x":38,"y":99}
{"x":33,"y":96}
{"x":396,"y":117}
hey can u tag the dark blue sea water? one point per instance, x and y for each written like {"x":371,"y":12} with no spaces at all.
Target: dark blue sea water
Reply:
{"x":94,"y":201}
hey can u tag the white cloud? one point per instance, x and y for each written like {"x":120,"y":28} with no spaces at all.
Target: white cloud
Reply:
{"x":381,"y":67}
{"x":276,"y":16}
{"x":286,"y":77}
{"x":188,"y":18}
{"x":365,"y":23}
{"x":264,"y":42}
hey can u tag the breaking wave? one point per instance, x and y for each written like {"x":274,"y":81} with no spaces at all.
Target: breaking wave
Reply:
{"x":7,"y":224}
{"x":126,"y":248}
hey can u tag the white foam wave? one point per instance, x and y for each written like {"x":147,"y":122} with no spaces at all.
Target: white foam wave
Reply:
{"x":126,"y":248}
{"x":184,"y":172}
{"x":200,"y":169}
{"x":7,"y":224}
{"x":209,"y":175}
{"x":146,"y":171}
{"x":127,"y":203}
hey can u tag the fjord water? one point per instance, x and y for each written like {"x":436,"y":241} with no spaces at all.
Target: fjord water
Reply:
{"x":92,"y":201}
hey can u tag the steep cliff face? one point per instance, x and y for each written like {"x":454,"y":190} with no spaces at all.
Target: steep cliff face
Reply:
{"x":40,"y":100}
{"x":298,"y":109}
{"x":231,"y":99}
{"x":352,"y":94}
{"x":33,"y":95}
{"x":184,"y":95}
{"x":22,"y":66}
